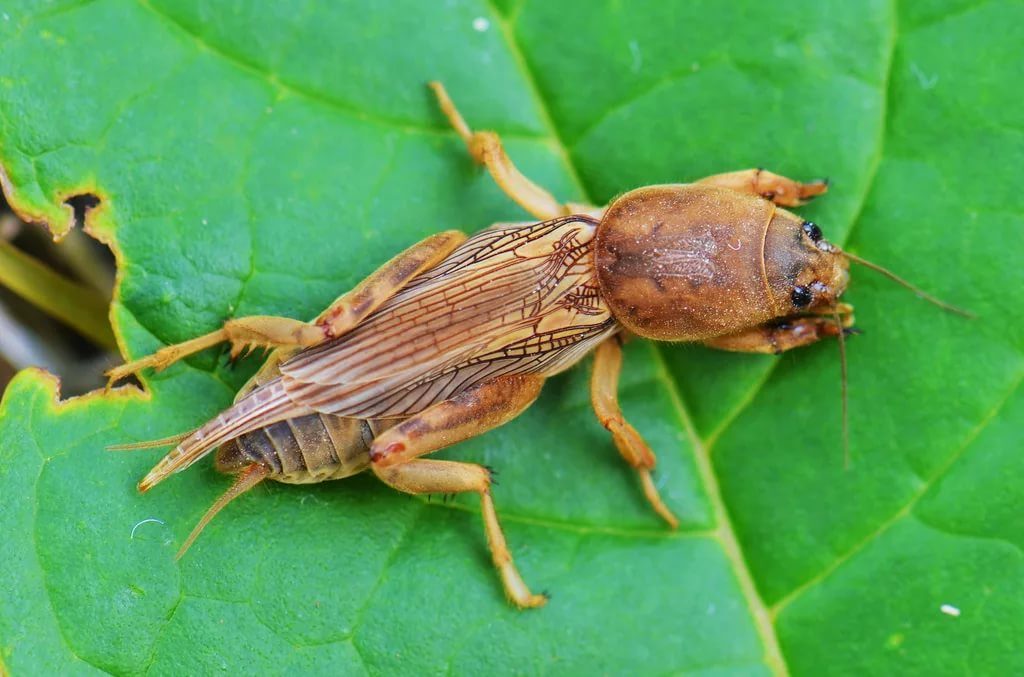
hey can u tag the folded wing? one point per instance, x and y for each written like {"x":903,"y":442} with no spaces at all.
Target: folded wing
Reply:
{"x":511,"y":299}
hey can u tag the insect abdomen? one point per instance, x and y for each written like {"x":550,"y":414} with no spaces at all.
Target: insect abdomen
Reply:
{"x":302,"y":450}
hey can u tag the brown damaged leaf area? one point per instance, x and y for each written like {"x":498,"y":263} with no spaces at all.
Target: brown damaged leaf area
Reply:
{"x":90,"y":215}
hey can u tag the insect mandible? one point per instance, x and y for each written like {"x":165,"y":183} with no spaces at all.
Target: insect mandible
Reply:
{"x":456,"y":335}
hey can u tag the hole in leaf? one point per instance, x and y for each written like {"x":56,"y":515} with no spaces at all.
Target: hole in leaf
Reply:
{"x":54,"y":300}
{"x":82,"y":204}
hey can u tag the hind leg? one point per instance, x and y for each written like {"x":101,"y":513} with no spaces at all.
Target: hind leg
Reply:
{"x":470,"y":413}
{"x":450,"y":477}
{"x":341,"y":316}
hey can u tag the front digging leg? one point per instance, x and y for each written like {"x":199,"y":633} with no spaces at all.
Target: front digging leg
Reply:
{"x":781,"y":190}
{"x":779,"y":336}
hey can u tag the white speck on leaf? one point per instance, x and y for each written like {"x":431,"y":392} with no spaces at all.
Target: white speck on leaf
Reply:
{"x":145,"y":521}
{"x":481,"y":24}
{"x":125,"y":599}
{"x":950,"y":610}
{"x":926,"y":81}
{"x":638,"y":58}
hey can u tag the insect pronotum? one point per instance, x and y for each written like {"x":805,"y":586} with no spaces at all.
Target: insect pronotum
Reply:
{"x":456,"y":335}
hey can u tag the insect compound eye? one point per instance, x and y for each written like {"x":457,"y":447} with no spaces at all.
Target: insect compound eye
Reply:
{"x":812,"y":230}
{"x":801,"y":296}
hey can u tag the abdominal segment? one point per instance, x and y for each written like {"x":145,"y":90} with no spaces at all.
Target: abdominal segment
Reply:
{"x":302,"y":450}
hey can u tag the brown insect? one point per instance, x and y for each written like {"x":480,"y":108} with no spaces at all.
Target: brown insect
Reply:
{"x":455,"y":336}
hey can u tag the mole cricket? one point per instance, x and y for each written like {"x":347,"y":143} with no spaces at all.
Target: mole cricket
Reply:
{"x":456,"y":335}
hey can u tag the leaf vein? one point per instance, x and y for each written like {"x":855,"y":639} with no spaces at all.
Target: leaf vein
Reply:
{"x":31,"y":428}
{"x":410,"y":528}
{"x":905,"y":511}
{"x":284,"y":86}
{"x":725,"y":533}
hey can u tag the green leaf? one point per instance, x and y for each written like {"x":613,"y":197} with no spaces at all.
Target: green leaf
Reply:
{"x":264,"y":159}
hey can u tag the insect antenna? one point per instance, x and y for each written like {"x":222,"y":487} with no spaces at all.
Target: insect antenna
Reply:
{"x":152,"y":444}
{"x":843,"y":389}
{"x":247,"y":479}
{"x":900,"y":281}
